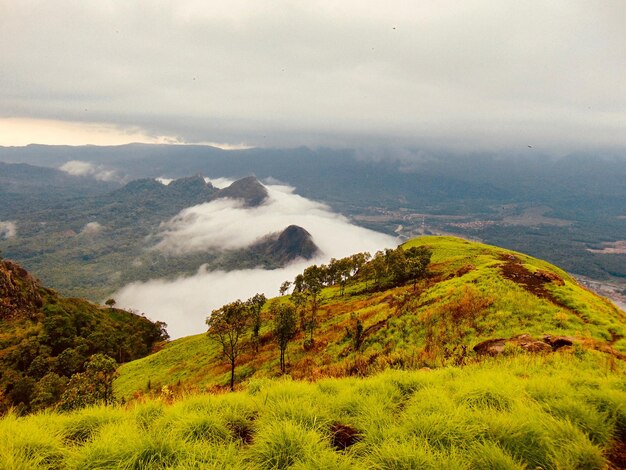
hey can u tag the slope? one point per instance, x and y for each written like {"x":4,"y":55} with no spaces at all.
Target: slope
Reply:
{"x":476,"y":300}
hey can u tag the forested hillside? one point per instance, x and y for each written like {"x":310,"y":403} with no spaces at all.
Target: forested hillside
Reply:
{"x":57,"y":351}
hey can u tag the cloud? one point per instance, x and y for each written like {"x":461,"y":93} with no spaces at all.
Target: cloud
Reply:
{"x":24,"y":131}
{"x":79,"y":168}
{"x":227,"y":224}
{"x":164,"y":181}
{"x":478,"y":73}
{"x":185,"y":302}
{"x":8,"y":229}
{"x":219,"y":182}
{"x":91,"y":228}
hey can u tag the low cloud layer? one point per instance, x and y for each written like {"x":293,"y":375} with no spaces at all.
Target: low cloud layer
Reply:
{"x":8,"y":229}
{"x":228,"y":224}
{"x":79,"y":168}
{"x":477,"y":73}
{"x":185,"y":302}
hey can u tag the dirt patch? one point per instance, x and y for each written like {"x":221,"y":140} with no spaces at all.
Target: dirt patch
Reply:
{"x":464,"y":270}
{"x":344,"y":436}
{"x":513,"y":270}
{"x":617,"y":454}
{"x":241,"y":430}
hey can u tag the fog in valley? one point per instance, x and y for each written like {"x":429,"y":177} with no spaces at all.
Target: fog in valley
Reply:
{"x":226,"y":224}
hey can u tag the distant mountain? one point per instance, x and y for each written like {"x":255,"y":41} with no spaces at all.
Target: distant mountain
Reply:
{"x":26,"y":187}
{"x":292,"y":243}
{"x":47,"y":338}
{"x":94,"y":244}
{"x":20,"y":178}
{"x":249,"y":189}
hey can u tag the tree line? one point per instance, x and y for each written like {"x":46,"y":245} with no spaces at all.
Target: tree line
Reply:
{"x":236,"y":326}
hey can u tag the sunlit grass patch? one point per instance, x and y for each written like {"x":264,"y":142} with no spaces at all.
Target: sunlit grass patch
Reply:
{"x":281,"y":444}
{"x":85,"y":424}
{"x":31,"y":443}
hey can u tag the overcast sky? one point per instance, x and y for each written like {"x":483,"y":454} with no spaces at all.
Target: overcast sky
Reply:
{"x":470,"y":74}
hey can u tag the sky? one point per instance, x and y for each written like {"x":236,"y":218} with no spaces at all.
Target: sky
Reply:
{"x":185,"y":302}
{"x":475,"y":74}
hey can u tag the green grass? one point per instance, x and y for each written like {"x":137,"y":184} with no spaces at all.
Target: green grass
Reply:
{"x":559,"y":411}
{"x":466,"y":300}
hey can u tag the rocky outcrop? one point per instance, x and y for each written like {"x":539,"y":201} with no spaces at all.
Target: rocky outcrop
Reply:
{"x":19,"y":292}
{"x":493,"y":347}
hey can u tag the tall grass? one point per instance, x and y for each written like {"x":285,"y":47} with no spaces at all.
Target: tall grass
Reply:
{"x":553,"y":412}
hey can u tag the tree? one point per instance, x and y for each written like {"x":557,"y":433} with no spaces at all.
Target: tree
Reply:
{"x":312,"y":285}
{"x":95,"y":385}
{"x":417,"y":258}
{"x":340,"y":272}
{"x":284,"y":328}
{"x":284,"y":287}
{"x":379,"y":267}
{"x":255,"y":305}
{"x":396,"y":265}
{"x":358,"y":334}
{"x":110,"y":303}
{"x":48,"y":391}
{"x":228,"y":325}
{"x":298,"y":299}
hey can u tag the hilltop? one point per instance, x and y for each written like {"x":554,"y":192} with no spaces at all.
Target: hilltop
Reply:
{"x":476,"y":300}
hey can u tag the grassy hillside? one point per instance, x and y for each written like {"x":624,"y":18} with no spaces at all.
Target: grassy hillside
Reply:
{"x":474,"y":293}
{"x":475,"y":397}
{"x":557,"y":411}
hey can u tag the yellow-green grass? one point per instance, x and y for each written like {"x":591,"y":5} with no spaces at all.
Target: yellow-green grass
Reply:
{"x":561,"y":411}
{"x":465,"y":300}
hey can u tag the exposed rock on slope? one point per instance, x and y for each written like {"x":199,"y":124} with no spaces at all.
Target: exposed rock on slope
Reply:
{"x":19,"y":296}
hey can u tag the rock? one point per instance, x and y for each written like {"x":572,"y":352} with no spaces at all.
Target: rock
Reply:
{"x":526,"y":342}
{"x":557,"y":342}
{"x":19,"y":292}
{"x":491,"y":347}
{"x":535,"y":346}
